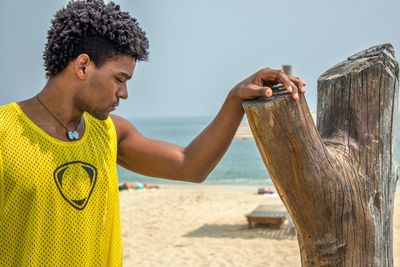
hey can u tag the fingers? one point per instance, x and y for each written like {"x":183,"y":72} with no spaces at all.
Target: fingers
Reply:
{"x":293,"y":85}
{"x":301,"y":85}
{"x":262,"y":82}
{"x":290,"y":86}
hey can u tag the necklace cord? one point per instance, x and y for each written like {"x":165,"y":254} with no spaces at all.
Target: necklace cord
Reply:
{"x":41,"y":103}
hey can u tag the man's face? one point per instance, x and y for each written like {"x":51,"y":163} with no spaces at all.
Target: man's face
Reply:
{"x":106,"y":86}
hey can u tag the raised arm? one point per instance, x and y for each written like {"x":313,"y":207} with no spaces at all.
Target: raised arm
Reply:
{"x":194,"y":162}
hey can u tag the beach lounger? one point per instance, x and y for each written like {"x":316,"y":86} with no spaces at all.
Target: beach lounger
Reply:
{"x":270,"y":215}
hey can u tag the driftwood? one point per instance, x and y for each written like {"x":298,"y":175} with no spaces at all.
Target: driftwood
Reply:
{"x":337,"y":180}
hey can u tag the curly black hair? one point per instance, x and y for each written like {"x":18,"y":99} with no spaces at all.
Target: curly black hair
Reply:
{"x":100,"y":30}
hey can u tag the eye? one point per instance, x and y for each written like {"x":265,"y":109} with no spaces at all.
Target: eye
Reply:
{"x":119,"y":80}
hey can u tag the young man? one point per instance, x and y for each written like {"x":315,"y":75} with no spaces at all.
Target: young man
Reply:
{"x":59,"y":203}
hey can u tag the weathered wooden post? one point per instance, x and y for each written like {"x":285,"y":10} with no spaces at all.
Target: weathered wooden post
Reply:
{"x":287,"y":69}
{"x":337,"y":180}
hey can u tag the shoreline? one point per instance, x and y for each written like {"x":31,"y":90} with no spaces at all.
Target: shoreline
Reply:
{"x":172,"y":183}
{"x":162,"y":182}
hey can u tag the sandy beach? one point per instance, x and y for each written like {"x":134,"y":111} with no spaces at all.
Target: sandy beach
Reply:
{"x":205,"y":225}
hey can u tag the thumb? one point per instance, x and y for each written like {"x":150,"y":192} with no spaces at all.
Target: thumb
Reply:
{"x":264,"y":91}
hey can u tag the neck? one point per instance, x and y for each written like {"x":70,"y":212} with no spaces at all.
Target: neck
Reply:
{"x":58,"y":113}
{"x":60,"y":101}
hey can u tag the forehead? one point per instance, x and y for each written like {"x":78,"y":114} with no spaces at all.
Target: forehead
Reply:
{"x":121,"y":63}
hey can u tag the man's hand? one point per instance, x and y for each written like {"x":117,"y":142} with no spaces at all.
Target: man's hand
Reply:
{"x":261,"y":82}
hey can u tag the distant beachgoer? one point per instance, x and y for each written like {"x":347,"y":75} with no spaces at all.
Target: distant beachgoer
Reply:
{"x":136,"y":185}
{"x":265,"y":190}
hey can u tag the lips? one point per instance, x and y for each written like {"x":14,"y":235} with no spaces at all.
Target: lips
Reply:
{"x":113,"y":107}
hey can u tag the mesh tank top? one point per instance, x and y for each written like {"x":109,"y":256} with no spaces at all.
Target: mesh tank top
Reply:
{"x":59,"y":201}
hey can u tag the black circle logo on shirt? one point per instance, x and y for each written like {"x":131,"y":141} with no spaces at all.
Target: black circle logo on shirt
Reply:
{"x":76,"y":180}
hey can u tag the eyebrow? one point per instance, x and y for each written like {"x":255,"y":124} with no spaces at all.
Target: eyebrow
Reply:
{"x":126,"y":75}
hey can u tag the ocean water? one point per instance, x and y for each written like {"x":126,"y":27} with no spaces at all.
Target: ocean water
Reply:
{"x":241,"y":164}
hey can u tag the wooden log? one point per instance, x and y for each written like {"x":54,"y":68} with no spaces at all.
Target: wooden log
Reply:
{"x":338,"y":181}
{"x":287,"y":69}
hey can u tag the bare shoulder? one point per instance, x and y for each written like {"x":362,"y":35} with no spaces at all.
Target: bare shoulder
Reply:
{"x":124,"y":128}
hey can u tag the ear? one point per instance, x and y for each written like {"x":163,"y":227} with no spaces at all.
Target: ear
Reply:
{"x":82,"y":65}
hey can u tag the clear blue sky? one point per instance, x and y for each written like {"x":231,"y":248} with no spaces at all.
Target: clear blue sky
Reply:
{"x":200,"y":49}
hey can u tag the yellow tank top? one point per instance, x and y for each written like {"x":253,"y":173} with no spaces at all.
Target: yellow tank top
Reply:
{"x":59,"y":201}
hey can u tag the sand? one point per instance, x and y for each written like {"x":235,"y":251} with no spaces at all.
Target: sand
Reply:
{"x":203,"y":225}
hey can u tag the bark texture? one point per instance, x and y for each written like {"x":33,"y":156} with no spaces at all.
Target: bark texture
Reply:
{"x":338,"y":179}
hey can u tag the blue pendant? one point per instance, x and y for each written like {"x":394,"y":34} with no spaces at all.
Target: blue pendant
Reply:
{"x":73,"y":135}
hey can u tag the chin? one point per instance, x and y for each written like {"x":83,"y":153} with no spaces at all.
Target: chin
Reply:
{"x":100,"y":115}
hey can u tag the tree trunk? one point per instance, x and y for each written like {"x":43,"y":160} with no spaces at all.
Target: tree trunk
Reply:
{"x":338,"y":181}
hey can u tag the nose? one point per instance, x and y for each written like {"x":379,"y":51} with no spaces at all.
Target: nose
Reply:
{"x":123,"y":92}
